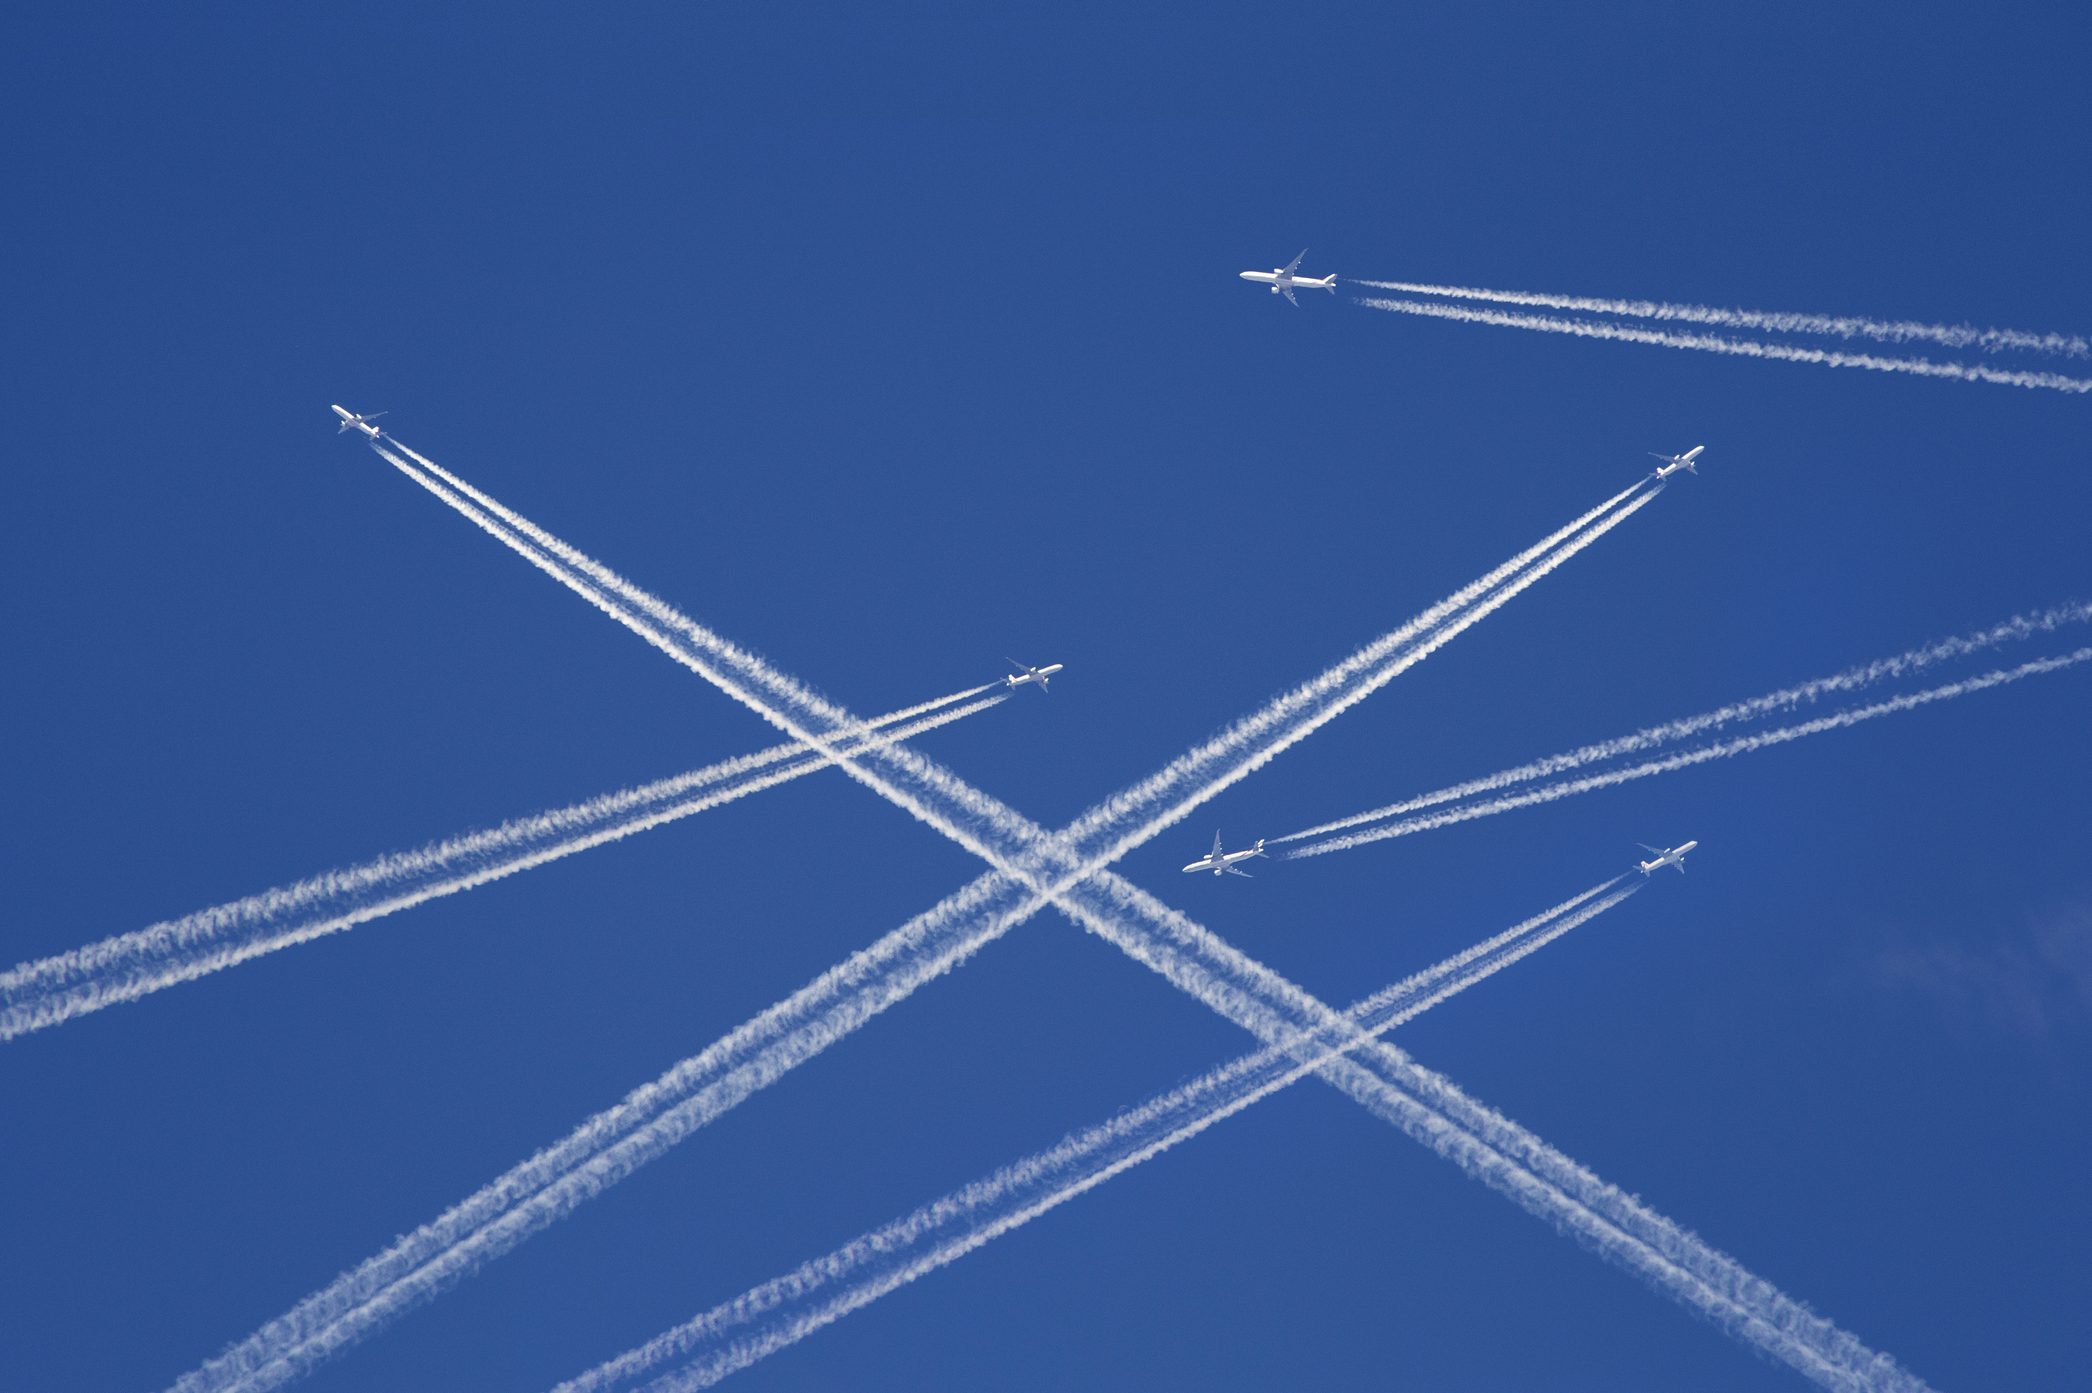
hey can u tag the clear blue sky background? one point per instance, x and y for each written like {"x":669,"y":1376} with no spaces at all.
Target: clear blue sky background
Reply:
{"x":893,"y":340}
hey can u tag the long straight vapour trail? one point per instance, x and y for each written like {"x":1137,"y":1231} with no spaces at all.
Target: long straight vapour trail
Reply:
{"x":1486,"y":1145}
{"x":1841,"y":326}
{"x":128,"y":966}
{"x":1742,"y":348}
{"x":1385,"y":1081}
{"x":1853,"y":679}
{"x":1195,"y":961}
{"x":655,"y":1117}
{"x":1241,"y":748}
{"x":785,"y":1310}
{"x":1685,"y":759}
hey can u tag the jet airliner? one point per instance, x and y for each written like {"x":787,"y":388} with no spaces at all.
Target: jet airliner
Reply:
{"x":1026,"y":673}
{"x":1672,"y":856}
{"x":1283,"y":282}
{"x":1224,"y":862}
{"x":351,"y":421}
{"x":1673,"y":463}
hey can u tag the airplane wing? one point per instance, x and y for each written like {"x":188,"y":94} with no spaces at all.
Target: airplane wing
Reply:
{"x":1652,"y":850}
{"x":1287,"y":291}
{"x":1237,"y":870}
{"x":1216,"y":845}
{"x":1294,"y":264}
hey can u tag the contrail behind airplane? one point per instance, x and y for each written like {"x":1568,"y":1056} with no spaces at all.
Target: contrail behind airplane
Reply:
{"x":1853,"y":679}
{"x":787,"y":1309}
{"x":1768,"y":321}
{"x":612,"y":1144}
{"x":1424,"y":1105}
{"x":1745,"y":348}
{"x":1745,"y":744}
{"x":48,"y":991}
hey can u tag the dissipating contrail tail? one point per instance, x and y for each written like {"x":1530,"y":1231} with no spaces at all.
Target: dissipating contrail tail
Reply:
{"x":1742,"y":348}
{"x":1554,"y":791}
{"x":46,"y":992}
{"x":1840,"y":326}
{"x":1803,"y":694}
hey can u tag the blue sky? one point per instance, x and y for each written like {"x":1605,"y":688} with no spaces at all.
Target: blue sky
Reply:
{"x":890,"y":343}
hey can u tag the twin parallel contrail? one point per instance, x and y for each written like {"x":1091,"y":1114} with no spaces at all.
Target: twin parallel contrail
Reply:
{"x":612,"y":1144}
{"x":1423,"y":1104}
{"x":1743,"y":348}
{"x":781,"y":1312}
{"x":1839,"y":326}
{"x":1379,"y":823}
{"x":1549,"y":792}
{"x":128,"y":966}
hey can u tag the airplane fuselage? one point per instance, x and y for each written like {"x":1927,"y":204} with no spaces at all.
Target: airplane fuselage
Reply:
{"x":1281,"y":281}
{"x":351,"y":421}
{"x":1672,"y":464}
{"x":1675,"y":856}
{"x":1032,"y":674}
{"x":1221,"y":862}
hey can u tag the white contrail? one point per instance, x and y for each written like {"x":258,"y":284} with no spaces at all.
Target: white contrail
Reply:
{"x":1245,"y":991}
{"x":1746,"y":744}
{"x":1261,"y":736}
{"x":906,"y":780}
{"x":1770,"y":321}
{"x":822,"y":1291}
{"x":1358,"y":676}
{"x":1744,"y":348}
{"x":1808,"y":693}
{"x":1489,"y":1146}
{"x":1485,"y":1144}
{"x":128,"y":966}
{"x":612,"y":1144}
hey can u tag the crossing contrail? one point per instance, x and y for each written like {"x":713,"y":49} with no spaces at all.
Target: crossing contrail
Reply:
{"x":125,"y":967}
{"x":1423,"y":1104}
{"x":612,"y":1144}
{"x":1684,"y":759}
{"x":1853,"y":679}
{"x":819,"y":1292}
{"x":1840,"y":326}
{"x":1743,"y":348}
{"x":1488,"y":1146}
{"x":1242,"y":748}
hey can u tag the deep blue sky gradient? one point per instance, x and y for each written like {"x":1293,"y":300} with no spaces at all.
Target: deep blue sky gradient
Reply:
{"x":890,"y":341}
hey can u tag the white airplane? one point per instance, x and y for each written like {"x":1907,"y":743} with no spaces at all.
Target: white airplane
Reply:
{"x":1026,"y":673}
{"x":351,"y":421}
{"x":1223,"y":862}
{"x":1673,"y":856}
{"x":1282,"y":280}
{"x":1673,"y":463}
